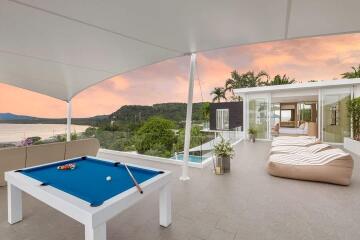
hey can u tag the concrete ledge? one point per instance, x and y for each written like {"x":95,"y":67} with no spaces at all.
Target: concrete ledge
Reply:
{"x":352,"y":145}
{"x":118,"y":154}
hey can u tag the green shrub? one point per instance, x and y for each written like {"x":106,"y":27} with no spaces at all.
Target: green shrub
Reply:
{"x":155,"y":134}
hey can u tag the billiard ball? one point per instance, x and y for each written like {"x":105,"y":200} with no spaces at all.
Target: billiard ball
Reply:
{"x":108,"y":178}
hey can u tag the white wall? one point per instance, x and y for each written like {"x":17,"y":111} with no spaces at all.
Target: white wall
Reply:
{"x":357,"y":91}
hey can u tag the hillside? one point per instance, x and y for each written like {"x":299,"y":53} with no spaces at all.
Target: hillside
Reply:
{"x":126,"y":114}
{"x":173,"y":111}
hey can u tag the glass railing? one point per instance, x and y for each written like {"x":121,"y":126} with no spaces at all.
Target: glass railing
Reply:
{"x":201,"y":148}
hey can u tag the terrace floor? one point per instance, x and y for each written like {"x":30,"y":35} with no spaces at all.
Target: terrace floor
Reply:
{"x":245,"y":204}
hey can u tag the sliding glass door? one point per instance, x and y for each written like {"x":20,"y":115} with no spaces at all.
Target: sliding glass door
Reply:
{"x":335,"y":119}
{"x":258,"y":116}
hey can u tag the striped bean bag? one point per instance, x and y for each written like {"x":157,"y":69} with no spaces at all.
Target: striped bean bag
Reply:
{"x":293,"y":137}
{"x":295,"y":141}
{"x":299,"y":149}
{"x":330,"y":166}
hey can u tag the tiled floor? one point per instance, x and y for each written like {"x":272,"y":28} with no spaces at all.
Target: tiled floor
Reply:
{"x":245,"y":204}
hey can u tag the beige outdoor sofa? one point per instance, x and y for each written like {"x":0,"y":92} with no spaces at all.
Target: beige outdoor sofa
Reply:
{"x":20,"y":157}
{"x":330,"y":166}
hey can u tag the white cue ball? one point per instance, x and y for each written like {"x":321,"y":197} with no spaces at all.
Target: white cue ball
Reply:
{"x":108,"y":178}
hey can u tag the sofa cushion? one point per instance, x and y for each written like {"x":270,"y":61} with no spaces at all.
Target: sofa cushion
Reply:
{"x":11,"y":159}
{"x":45,"y":153}
{"x":83,"y":147}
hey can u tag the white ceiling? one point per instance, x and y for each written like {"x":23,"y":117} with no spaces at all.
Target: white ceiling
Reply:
{"x":59,"y":48}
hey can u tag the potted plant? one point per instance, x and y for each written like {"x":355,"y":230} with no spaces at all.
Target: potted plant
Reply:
{"x":223,"y":152}
{"x":353,"y":144}
{"x":252,"y":134}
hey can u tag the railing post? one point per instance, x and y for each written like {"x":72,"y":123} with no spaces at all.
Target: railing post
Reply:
{"x":185,"y":174}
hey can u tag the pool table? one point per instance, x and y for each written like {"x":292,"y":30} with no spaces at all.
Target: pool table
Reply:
{"x":95,"y":191}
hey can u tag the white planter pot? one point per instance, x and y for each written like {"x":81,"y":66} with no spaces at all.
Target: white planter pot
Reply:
{"x":352,"y":145}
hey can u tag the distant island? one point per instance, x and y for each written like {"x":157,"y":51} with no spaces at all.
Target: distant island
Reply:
{"x":11,"y":116}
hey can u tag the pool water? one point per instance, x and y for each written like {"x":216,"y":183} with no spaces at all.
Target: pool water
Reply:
{"x":192,"y":158}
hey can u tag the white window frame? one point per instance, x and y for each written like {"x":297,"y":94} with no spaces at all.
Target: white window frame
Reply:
{"x":222,"y":114}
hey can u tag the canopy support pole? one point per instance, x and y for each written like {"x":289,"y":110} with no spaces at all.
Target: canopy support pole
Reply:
{"x":185,"y":174}
{"x":68,"y":121}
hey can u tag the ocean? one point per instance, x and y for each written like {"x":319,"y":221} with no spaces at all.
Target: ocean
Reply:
{"x":17,"y":132}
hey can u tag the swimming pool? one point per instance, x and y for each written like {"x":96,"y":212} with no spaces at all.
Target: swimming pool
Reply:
{"x":192,"y":158}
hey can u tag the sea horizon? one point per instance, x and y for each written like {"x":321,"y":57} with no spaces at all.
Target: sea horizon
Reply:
{"x":16,"y":132}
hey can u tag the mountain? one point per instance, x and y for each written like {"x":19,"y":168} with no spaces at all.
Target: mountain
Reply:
{"x":126,"y":114}
{"x":172,"y":111}
{"x":21,"y":119}
{"x":11,"y":116}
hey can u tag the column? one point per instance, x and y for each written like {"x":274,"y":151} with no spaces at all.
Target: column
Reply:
{"x":185,"y":174}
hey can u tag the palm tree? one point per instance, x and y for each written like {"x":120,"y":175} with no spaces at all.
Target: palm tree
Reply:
{"x":256,"y":79}
{"x":281,"y":80}
{"x":248,"y":79}
{"x":219,"y":93}
{"x":235,"y":81}
{"x":354,"y":74}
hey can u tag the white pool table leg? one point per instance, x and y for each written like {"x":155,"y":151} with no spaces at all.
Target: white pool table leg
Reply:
{"x":14,"y":204}
{"x":95,"y":233}
{"x":165,"y":205}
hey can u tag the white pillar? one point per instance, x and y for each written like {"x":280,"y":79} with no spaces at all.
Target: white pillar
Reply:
{"x":68,"y":121}
{"x":269,"y":117}
{"x":185,"y":175}
{"x":319,"y":118}
{"x":245,"y":116}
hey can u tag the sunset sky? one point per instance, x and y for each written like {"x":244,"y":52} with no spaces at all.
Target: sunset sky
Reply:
{"x":321,"y":58}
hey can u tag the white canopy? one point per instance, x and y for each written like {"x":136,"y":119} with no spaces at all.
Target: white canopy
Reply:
{"x":59,"y":48}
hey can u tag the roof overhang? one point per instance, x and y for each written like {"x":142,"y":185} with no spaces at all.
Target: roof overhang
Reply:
{"x":298,"y":86}
{"x":60,"y":48}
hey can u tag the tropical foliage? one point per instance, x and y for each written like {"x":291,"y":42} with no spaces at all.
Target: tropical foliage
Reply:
{"x":206,"y":111}
{"x":218,"y":94}
{"x":281,"y":80}
{"x":155,"y":135}
{"x":354,"y":74}
{"x":247,"y":80}
{"x":353,"y":107}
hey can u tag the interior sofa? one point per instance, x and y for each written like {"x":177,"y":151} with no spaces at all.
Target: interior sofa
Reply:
{"x":20,"y":157}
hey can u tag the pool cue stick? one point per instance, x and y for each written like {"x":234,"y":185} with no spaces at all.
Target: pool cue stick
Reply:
{"x":133,"y":179}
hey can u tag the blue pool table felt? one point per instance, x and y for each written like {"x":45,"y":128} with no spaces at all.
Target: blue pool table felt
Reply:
{"x":88,"y":180}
